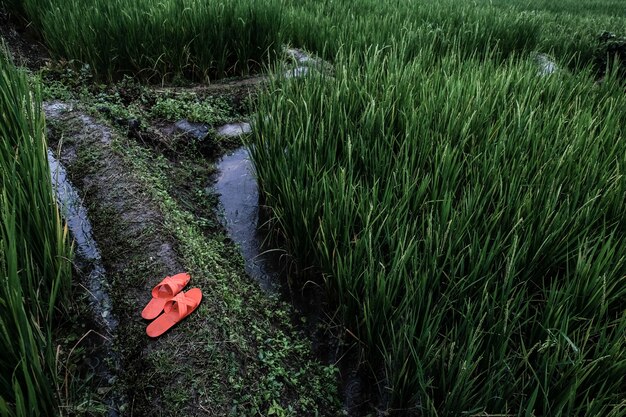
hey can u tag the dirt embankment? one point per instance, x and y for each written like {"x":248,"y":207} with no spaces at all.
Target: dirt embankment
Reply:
{"x":27,"y":51}
{"x":238,"y":354}
{"x":152,"y":216}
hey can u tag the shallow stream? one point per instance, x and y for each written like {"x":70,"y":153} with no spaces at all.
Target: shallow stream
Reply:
{"x":87,"y":255}
{"x":239,"y":200}
{"x":103,"y":361}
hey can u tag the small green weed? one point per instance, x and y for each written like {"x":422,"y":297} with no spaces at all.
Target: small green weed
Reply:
{"x":210,"y":110}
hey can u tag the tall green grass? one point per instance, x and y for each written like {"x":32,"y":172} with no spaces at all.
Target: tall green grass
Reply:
{"x":468,"y":218}
{"x":202,"y":39}
{"x":34,"y":252}
{"x":564,"y":28}
{"x":328,"y":26}
{"x":193,"y":38}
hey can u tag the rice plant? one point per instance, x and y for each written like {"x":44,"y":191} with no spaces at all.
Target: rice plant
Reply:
{"x":193,"y":38}
{"x":566,"y":29}
{"x":203,"y":40}
{"x":34,"y":252}
{"x":467,"y":216}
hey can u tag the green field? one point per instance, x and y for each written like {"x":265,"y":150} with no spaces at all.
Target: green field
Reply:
{"x":466,"y":213}
{"x":464,"y":210}
{"x":468,"y":220}
{"x":205,"y":39}
{"x":34,"y":252}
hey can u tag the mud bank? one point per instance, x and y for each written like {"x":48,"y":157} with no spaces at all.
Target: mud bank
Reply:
{"x":238,"y":354}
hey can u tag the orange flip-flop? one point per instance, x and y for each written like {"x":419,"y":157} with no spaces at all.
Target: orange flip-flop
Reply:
{"x":176,"y":309}
{"x":164,"y":291}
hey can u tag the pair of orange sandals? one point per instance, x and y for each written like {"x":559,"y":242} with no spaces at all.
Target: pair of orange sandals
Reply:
{"x":167,"y":297}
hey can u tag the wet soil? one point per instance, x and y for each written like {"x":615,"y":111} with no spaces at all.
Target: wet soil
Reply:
{"x":153,"y":213}
{"x":239,"y":201}
{"x":22,"y":41}
{"x":239,"y":352}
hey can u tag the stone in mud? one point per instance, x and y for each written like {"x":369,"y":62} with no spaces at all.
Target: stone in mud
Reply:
{"x":233,"y":130}
{"x":307,"y":64}
{"x":546,"y":64}
{"x":299,"y":55}
{"x":305,"y":59}
{"x":185,"y":127}
{"x":196,"y":134}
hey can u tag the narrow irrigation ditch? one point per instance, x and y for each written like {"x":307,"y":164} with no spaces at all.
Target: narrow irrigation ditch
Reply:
{"x":142,"y":204}
{"x":103,"y":362}
{"x":239,"y":199}
{"x":87,"y":254}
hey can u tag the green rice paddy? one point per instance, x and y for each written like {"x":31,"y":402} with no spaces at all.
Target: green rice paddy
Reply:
{"x":464,"y":210}
{"x":34,"y":253}
{"x":468,"y":220}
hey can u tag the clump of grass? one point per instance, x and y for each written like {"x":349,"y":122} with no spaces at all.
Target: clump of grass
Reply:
{"x":199,"y":39}
{"x":489,"y":29}
{"x":34,"y":252}
{"x":468,"y":219}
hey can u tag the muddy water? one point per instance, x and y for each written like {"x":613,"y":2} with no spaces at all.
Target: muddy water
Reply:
{"x":239,"y":200}
{"x":104,"y":363}
{"x":239,"y":196}
{"x":86,"y":250}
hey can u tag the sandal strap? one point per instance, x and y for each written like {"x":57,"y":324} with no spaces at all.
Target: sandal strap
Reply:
{"x":182,"y":302}
{"x":170,"y":284}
